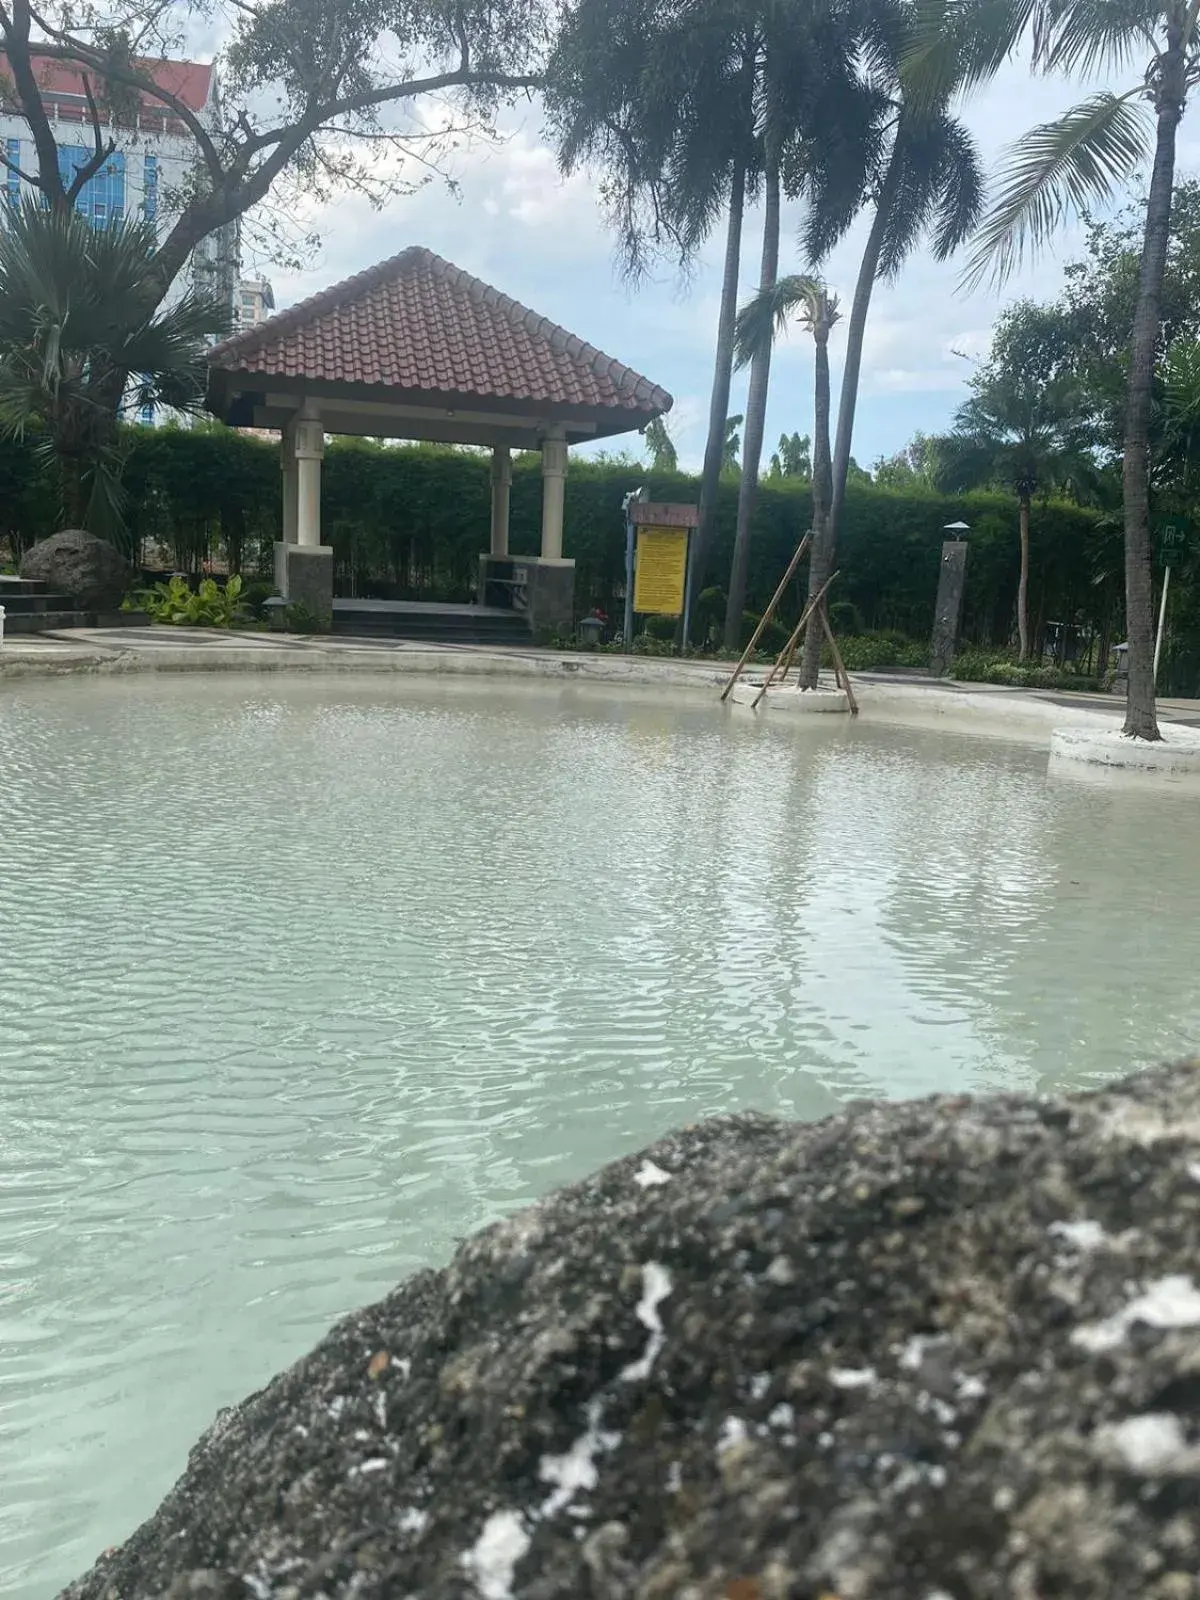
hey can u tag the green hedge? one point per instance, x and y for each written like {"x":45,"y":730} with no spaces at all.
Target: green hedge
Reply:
{"x":411,"y":521}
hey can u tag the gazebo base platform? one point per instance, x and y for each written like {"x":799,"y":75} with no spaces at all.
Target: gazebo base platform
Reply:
{"x":429,"y":623}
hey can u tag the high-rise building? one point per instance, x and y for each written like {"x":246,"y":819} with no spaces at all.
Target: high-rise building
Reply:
{"x":154,"y":163}
{"x":255,"y":303}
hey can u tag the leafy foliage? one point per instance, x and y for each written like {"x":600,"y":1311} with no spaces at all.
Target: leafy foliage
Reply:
{"x":207,"y":606}
{"x":73,"y":327}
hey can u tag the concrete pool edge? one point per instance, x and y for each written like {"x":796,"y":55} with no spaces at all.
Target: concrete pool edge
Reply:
{"x":988,"y":709}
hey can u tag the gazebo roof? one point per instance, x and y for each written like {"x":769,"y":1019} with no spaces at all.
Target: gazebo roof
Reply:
{"x":425,"y":340}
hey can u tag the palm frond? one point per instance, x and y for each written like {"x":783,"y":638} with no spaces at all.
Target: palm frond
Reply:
{"x":1056,"y":171}
{"x":956,"y":45}
{"x":1086,"y":36}
{"x":764,"y":317}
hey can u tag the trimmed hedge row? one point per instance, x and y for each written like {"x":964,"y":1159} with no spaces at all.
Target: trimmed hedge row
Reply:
{"x":410,"y":521}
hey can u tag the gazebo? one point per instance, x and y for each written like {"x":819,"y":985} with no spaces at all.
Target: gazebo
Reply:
{"x":415,"y":348}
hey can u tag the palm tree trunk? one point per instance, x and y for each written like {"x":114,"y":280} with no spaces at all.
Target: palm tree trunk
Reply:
{"x":718,"y":411}
{"x":756,"y":418}
{"x":856,"y":327}
{"x":1141,"y":721}
{"x":820,"y":562}
{"x":1023,"y":584}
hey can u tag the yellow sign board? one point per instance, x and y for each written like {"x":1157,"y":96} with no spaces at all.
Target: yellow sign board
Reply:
{"x":661,"y":570}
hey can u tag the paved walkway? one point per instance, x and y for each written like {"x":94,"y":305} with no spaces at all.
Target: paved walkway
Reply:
{"x":202,"y":649}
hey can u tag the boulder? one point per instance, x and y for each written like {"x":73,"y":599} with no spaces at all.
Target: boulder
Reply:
{"x":947,"y":1348}
{"x":90,"y":570}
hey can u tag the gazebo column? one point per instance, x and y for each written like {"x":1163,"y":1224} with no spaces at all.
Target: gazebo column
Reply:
{"x":501,"y":491}
{"x":554,"y":477}
{"x":310,"y":452}
{"x":303,"y":565}
{"x":545,"y":584}
{"x":287,"y":466}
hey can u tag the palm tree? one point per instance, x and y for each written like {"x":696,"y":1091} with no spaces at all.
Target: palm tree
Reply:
{"x":759,"y":322}
{"x":74,"y":332}
{"x":811,"y":93}
{"x":662,"y":101}
{"x":1079,"y":159}
{"x":1026,"y":434}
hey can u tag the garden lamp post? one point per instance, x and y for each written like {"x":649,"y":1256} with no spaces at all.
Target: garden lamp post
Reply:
{"x":947,"y":612}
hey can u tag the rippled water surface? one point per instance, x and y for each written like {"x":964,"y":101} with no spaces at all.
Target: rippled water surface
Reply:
{"x":301,"y":981}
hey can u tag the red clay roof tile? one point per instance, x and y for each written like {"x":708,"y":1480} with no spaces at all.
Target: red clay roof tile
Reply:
{"x":417,"y":322}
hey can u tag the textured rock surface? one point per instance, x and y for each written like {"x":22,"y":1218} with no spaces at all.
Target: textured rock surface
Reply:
{"x":90,"y":570}
{"x":941,"y":1350}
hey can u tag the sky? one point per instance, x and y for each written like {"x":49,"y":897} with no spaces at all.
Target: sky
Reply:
{"x":513,"y":221}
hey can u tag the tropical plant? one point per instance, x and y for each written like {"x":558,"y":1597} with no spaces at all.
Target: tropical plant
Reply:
{"x":732,"y":445}
{"x":793,"y":459}
{"x":916,"y":167}
{"x":661,"y":100}
{"x":1025,"y":434}
{"x":918,"y":465}
{"x":759,"y":321}
{"x":207,"y":606}
{"x":75,"y":332}
{"x":663,"y":455}
{"x":812,"y":98}
{"x":1081,"y":158}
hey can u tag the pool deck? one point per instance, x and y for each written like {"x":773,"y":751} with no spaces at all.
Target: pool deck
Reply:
{"x":900,"y":697}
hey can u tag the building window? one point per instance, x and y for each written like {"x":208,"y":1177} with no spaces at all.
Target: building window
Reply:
{"x":13,"y":152}
{"x":150,"y":189}
{"x":102,"y":198}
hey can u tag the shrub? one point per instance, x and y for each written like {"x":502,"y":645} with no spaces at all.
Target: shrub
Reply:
{"x":774,"y":636}
{"x":207,"y":606}
{"x":298,"y":618}
{"x":661,"y":627}
{"x":866,"y":652}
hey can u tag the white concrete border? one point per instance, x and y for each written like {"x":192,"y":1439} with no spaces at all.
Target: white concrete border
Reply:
{"x":787,"y":700}
{"x":1178,"y":751}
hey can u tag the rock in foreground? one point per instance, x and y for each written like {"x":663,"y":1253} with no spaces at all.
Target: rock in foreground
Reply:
{"x":940,"y":1351}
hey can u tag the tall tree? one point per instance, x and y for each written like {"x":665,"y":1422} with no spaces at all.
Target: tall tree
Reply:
{"x":793,"y":459}
{"x":1023,"y":433}
{"x":661,"y":101}
{"x":759,"y":322}
{"x":1082,"y":157}
{"x":810,"y":93}
{"x":663,"y":455}
{"x":307,"y":85}
{"x":731,"y":445}
{"x":73,"y":313}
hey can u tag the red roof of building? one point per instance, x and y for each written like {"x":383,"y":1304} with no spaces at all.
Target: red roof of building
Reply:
{"x":417,"y":323}
{"x":189,"y":81}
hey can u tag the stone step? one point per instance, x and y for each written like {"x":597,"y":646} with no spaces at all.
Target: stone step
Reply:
{"x":25,"y":603}
{"x":25,"y":622}
{"x":438,"y":625}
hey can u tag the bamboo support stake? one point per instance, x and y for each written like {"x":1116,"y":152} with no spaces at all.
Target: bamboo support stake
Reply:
{"x":839,"y":666}
{"x":791,"y":644}
{"x":767,"y":614}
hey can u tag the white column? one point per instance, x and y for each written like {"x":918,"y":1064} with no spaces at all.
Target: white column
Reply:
{"x":501,"y":489}
{"x":287,"y":463}
{"x":310,"y":451}
{"x":554,"y":474}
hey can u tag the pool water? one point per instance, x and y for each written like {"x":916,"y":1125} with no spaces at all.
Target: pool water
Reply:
{"x":300,"y":981}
